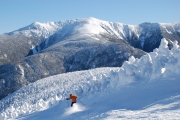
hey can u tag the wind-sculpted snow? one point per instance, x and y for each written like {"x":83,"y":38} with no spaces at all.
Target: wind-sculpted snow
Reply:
{"x":158,"y":68}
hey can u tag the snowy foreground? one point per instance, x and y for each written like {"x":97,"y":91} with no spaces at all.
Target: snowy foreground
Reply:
{"x":145,"y":88}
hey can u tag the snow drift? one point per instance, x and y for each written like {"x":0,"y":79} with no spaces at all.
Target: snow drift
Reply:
{"x":158,"y":68}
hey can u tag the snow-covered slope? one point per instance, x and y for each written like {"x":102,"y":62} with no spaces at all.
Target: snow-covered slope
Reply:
{"x":38,"y":29}
{"x":145,"y":88}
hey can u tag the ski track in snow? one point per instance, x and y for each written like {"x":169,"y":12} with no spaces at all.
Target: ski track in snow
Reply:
{"x":145,"y":88}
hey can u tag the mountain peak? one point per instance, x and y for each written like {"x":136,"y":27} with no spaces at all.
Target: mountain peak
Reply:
{"x":88,"y":19}
{"x":92,"y":19}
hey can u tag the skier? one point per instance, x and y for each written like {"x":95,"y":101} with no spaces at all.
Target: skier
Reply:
{"x":73,"y":99}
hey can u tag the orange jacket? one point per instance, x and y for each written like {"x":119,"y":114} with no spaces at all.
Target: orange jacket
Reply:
{"x":73,"y":98}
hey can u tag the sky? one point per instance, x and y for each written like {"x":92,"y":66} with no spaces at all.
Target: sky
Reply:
{"x":15,"y":14}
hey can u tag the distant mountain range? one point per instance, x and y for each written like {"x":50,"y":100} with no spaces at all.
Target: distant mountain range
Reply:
{"x":45,"y":49}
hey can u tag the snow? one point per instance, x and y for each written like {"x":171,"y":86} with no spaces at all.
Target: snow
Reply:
{"x":170,"y":28}
{"x":145,"y":88}
{"x":38,"y":29}
{"x":76,"y":108}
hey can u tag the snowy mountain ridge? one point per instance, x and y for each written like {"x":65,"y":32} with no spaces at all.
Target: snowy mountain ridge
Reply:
{"x":53,"y":27}
{"x":93,"y":26}
{"x":110,"y":92}
{"x":98,"y":26}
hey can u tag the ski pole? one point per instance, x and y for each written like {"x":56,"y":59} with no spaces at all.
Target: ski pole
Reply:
{"x":82,"y":103}
{"x":67,"y":103}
